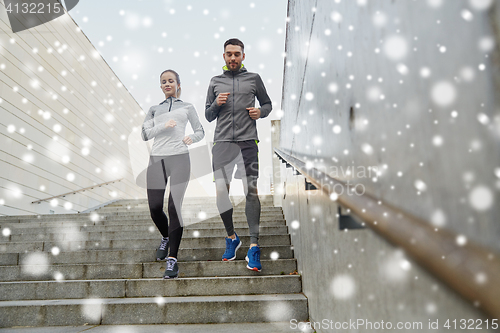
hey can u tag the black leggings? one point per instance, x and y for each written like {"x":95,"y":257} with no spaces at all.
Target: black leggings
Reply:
{"x":178,"y":168}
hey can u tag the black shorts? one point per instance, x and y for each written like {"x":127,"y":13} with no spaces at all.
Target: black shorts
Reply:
{"x":243,"y":154}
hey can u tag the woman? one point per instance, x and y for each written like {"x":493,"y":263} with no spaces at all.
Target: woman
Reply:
{"x":166,"y":123}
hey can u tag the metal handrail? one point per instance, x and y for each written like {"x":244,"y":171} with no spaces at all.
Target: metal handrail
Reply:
{"x":427,"y":245}
{"x":80,"y":190}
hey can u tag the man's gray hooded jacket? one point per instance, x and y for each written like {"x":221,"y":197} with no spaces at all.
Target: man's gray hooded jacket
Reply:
{"x":233,"y":121}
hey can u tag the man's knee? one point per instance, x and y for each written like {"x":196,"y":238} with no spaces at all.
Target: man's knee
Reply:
{"x":252,"y":193}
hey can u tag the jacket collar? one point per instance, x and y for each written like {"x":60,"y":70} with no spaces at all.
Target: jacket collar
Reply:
{"x":174,"y":99}
{"x":241,"y":70}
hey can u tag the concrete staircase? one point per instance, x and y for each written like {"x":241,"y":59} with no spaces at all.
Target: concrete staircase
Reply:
{"x":99,"y":269}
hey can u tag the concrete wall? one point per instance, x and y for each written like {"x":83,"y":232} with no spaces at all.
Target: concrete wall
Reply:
{"x":65,"y":119}
{"x":401,"y":93}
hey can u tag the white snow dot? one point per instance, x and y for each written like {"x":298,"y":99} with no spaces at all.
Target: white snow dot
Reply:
{"x":497,"y":172}
{"x":295,"y":224}
{"x":337,"y":129}
{"x":435,"y":3}
{"x":196,"y":233}
{"x":395,"y":47}
{"x":443,"y":93}
{"x":70,"y":177}
{"x":483,"y":119}
{"x":481,"y":278}
{"x":333,"y":88}
{"x":35,"y":264}
{"x":481,"y":198}
{"x":6,"y":232}
{"x":480,"y":5}
{"x":336,"y":17}
{"x":343,"y":287}
{"x":374,"y":93}
{"x":402,"y":69}
{"x":466,"y":15}
{"x":334,"y":196}
{"x":309,"y":96}
{"x":92,"y":309}
{"x":46,"y":115}
{"x":11,"y":128}
{"x":437,"y":140}
{"x":467,"y":74}
{"x":68,"y":205}
{"x":425,"y":72}
{"x":367,"y":149}
{"x":461,"y":240}
{"x":420,"y":185}
{"x":54,"y":202}
{"x":296,"y":129}
{"x":55,"y":250}
{"x":202,"y":215}
{"x":274,"y":255}
{"x":431,"y":308}
{"x":94,"y":217}
{"x":486,"y":44}
{"x":379,"y":19}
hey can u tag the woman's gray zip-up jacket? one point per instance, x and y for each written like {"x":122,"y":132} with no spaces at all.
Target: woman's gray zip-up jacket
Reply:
{"x":168,"y":141}
{"x":233,"y":121}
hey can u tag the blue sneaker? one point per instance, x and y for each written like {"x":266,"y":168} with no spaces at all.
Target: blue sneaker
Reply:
{"x":231,"y":247}
{"x":253,"y":259}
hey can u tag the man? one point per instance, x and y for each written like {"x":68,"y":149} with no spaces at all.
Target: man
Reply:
{"x":231,"y":100}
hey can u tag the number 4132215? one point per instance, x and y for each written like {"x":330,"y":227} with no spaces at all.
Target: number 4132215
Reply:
{"x":471,"y":324}
{"x":34,"y":8}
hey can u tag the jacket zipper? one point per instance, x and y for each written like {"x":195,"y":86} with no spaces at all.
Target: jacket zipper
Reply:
{"x":171,"y":99}
{"x":233,"y":105}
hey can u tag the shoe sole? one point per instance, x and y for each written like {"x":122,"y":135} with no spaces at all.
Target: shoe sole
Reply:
{"x":236,"y":249}
{"x":170,"y":277}
{"x":255,"y":269}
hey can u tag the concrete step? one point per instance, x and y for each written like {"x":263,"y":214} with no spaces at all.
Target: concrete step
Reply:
{"x":131,"y":226}
{"x":117,"y":235}
{"x":154,"y":310}
{"x":145,"y":270}
{"x":146,"y":215}
{"x":124,"y":217}
{"x":106,"y":272}
{"x":111,"y":221}
{"x":185,"y":208}
{"x":137,"y":256}
{"x":274,"y":327}
{"x":193,"y":200}
{"x":152,"y":242}
{"x":76,"y":216}
{"x":114,"y":288}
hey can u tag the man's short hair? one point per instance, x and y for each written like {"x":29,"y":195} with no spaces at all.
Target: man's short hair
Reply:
{"x":234,"y":41}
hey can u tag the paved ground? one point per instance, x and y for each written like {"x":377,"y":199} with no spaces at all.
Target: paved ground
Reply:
{"x":206,"y":328}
